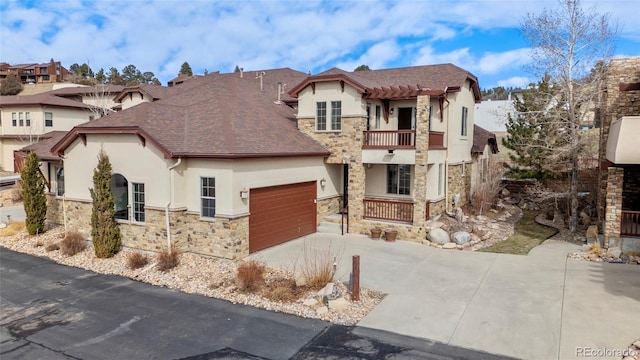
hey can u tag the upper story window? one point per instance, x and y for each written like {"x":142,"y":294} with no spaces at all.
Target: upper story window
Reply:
{"x":21,"y":119}
{"x":208,"y":197}
{"x":43,"y":70}
{"x":465,"y":113}
{"x":378,"y":114}
{"x":399,"y":179}
{"x":14,"y":119}
{"x":27,"y":117}
{"x":48,"y":119}
{"x":336,"y":116}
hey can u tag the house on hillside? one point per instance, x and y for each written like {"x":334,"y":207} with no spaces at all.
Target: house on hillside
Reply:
{"x":34,"y":73}
{"x":619,"y":200}
{"x":24,"y":119}
{"x":228,"y":164}
{"x":399,"y":138}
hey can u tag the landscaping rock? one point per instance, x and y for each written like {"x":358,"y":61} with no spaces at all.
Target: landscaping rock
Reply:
{"x":426,"y":242}
{"x":505,"y":192}
{"x":3,"y":225}
{"x":614,"y":252}
{"x":322,"y":310}
{"x":300,"y":280}
{"x":461,"y":237}
{"x":327,"y":290}
{"x":310,"y":302}
{"x":438,"y":236}
{"x":430,"y":225}
{"x":450,"y":246}
{"x":339,"y":304}
{"x":459,"y":214}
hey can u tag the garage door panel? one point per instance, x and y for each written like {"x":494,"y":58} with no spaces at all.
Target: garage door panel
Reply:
{"x":281,"y":213}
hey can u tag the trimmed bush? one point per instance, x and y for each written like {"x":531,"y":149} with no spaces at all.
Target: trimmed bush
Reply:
{"x":104,"y":228}
{"x":250,"y":276}
{"x":35,"y":202}
{"x":136,"y":260}
{"x":52,"y":247}
{"x":168,"y":259}
{"x":73,"y":243}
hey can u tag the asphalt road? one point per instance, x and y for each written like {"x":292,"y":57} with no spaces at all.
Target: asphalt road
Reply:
{"x":50,"y":311}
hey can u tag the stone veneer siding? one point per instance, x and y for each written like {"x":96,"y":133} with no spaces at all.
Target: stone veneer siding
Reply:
{"x":613,"y":216}
{"x":617,"y":105}
{"x":220,"y":237}
{"x":327,"y":207}
{"x":437,"y":207}
{"x":458,"y":184}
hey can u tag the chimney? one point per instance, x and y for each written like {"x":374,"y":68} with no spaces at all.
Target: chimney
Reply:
{"x":279,"y":92}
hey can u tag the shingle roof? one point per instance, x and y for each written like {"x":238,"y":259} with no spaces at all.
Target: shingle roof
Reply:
{"x":434,"y":77}
{"x":223,"y":116}
{"x":43,"y":147}
{"x":41,"y":99}
{"x":87,"y":90}
{"x":482,"y":137}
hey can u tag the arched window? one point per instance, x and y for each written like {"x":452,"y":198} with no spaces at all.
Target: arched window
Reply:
{"x":59,"y":181}
{"x":120,"y":191}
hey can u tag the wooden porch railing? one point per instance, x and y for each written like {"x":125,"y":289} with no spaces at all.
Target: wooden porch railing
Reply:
{"x":389,"y":139}
{"x":391,"y":210}
{"x":630,"y":223}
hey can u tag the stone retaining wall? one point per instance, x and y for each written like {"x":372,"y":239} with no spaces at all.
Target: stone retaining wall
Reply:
{"x":458,"y":184}
{"x":327,"y":207}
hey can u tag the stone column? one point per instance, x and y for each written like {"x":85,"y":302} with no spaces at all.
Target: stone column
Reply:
{"x":422,"y":156}
{"x":613,"y":215}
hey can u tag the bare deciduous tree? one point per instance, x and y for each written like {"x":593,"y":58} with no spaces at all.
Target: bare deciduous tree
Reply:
{"x":567,"y":44}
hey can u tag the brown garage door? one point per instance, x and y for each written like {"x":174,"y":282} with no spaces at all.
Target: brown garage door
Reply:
{"x":281,"y":213}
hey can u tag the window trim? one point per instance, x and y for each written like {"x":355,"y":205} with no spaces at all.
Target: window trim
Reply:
{"x":464,"y":121}
{"x":50,"y":121}
{"x":21,"y":119}
{"x":378,"y":116}
{"x":400,"y":171}
{"x":56,"y":171}
{"x":328,"y":116}
{"x":14,"y":119}
{"x":135,"y":203}
{"x":27,"y":118}
{"x":321,"y":113}
{"x":203,"y":197}
{"x":336,"y":115}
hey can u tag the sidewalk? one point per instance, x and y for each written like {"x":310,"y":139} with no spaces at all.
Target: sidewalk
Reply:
{"x":540,"y":306}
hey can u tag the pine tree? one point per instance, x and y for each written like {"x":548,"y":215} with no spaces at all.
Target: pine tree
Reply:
{"x":535,"y":134}
{"x":12,"y":85}
{"x":186,"y":69}
{"x":35,"y":202}
{"x":104,"y":228}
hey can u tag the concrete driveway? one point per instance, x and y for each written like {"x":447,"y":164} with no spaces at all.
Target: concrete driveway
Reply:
{"x":540,"y":306}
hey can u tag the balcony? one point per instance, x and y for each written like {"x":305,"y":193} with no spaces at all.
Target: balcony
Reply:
{"x":630,"y":223}
{"x":388,"y":210}
{"x":399,"y":139}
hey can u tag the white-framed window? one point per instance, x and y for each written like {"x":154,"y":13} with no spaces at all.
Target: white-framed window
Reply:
{"x":27,"y":118}
{"x":321,"y":115}
{"x":14,"y":119}
{"x":463,"y":124}
{"x":207,"y":197}
{"x":399,"y":179}
{"x":48,"y":119}
{"x":378,"y":114}
{"x":440,"y":178}
{"x":59,"y":180}
{"x":336,"y":115}
{"x":21,"y":118}
{"x":120,"y":192}
{"x":137,"y":190}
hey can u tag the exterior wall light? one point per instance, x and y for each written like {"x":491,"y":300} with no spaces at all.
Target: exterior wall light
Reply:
{"x":323,"y":182}
{"x":244,"y":193}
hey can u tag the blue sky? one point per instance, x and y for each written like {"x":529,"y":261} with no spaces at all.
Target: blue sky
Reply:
{"x":481,"y":36}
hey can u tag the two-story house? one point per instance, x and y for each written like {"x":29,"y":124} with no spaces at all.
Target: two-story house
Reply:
{"x":400,"y":138}
{"x":228,"y":164}
{"x":34,"y":73}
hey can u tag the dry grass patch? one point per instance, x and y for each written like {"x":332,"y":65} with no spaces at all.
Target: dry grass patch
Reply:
{"x":168,"y":259}
{"x":13,"y":228}
{"x":39,"y":243}
{"x":318,"y":265}
{"x":52,"y":247}
{"x":282,"y":290}
{"x":595,"y":249}
{"x":73,"y":243}
{"x":250,"y":275}
{"x":136,"y":260}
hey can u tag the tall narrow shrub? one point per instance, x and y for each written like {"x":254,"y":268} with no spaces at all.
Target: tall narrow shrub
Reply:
{"x":104,"y":228}
{"x":35,"y":202}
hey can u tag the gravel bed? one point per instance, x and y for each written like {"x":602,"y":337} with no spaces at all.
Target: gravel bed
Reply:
{"x":196,"y":274}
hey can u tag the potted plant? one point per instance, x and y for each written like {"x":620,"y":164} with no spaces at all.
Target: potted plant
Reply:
{"x":390,"y":235}
{"x":375,"y":233}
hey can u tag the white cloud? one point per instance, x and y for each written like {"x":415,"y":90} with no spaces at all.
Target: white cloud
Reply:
{"x":515,"y":81}
{"x":491,"y":63}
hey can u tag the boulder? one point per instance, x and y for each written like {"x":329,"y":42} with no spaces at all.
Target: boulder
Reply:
{"x":459,"y":214}
{"x":339,"y":304}
{"x":327,"y":290}
{"x":505,"y":192}
{"x":430,"y":225}
{"x":450,"y":246}
{"x":300,"y":280}
{"x":438,"y":236}
{"x":322,"y":310}
{"x":614,"y":252}
{"x":461,"y":237}
{"x":310,"y":302}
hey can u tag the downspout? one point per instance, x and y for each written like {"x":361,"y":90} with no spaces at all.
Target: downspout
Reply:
{"x":446,"y":159}
{"x":166,"y":208}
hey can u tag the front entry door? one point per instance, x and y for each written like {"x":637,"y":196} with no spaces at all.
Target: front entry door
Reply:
{"x":405,"y":122}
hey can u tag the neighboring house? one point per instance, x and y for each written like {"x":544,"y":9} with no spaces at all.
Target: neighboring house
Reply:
{"x":619,"y":200}
{"x":484,"y":146}
{"x":492,"y":115}
{"x":99,"y":97}
{"x":24,"y":119}
{"x":181,"y":79}
{"x":51,"y":164}
{"x":224,"y":165}
{"x":34,"y":73}
{"x":400,"y":140}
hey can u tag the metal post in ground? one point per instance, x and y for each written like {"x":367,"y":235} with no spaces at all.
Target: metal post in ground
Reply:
{"x":355,"y":287}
